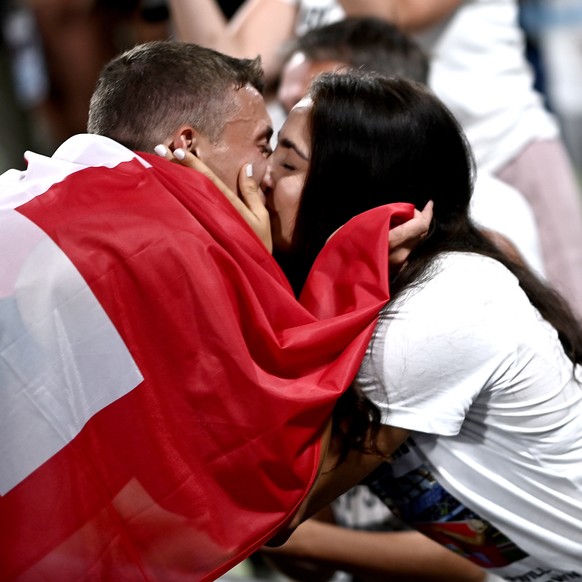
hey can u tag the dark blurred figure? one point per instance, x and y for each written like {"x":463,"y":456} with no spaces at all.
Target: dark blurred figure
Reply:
{"x":58,"y":47}
{"x":23,"y":84}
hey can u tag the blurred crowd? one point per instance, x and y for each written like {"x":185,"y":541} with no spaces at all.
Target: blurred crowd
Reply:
{"x":51,"y":52}
{"x":51,"y":55}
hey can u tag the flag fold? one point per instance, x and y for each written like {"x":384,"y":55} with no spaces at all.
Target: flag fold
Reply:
{"x":163,"y":393}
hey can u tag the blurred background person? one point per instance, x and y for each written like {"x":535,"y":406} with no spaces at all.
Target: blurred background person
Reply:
{"x":554,"y":29}
{"x":55,"y":50}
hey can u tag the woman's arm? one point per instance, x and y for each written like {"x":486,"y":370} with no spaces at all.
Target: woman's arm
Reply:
{"x":336,"y":476}
{"x":411,"y":15}
{"x":198,"y":21}
{"x":259,"y":27}
{"x":372,"y":555}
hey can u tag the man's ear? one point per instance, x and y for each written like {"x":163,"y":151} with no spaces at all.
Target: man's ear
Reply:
{"x":185,"y":137}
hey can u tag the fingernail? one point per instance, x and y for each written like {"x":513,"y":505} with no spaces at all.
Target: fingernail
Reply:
{"x":249,"y":170}
{"x":161,"y":150}
{"x":180,"y":154}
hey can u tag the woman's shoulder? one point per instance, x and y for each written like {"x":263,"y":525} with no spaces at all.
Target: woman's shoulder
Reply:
{"x":463,"y":282}
{"x":464,"y":297}
{"x":469,"y":270}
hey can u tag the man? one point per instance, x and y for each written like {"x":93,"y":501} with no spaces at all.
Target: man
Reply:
{"x":167,"y":401}
{"x":214,"y":106}
{"x":358,"y":42}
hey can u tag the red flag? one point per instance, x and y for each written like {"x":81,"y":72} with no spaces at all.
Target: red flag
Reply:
{"x":163,"y":391}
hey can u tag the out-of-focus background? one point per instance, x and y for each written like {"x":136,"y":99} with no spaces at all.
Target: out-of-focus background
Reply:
{"x":554,"y":32}
{"x":51,"y":52}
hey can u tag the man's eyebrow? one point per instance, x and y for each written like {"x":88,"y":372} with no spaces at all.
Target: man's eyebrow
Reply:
{"x":287,"y":143}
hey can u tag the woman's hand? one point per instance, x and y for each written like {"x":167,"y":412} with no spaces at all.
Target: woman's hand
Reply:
{"x":250,"y":206}
{"x":405,"y":237}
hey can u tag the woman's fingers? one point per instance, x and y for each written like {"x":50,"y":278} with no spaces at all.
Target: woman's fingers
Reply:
{"x":427,"y":214}
{"x":404,"y":238}
{"x":188,"y":159}
{"x":251,"y":207}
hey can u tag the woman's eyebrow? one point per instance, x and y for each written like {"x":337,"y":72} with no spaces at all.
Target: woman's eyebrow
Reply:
{"x":287,"y":143}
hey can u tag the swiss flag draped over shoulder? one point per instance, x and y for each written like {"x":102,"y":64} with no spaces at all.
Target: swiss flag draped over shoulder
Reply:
{"x":162,"y":390}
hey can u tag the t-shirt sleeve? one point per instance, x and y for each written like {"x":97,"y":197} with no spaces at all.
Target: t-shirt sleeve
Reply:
{"x":440,"y":346}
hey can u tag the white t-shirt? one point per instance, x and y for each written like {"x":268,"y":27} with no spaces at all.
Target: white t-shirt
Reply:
{"x":316,"y":13}
{"x":479,"y":70}
{"x":469,"y":366}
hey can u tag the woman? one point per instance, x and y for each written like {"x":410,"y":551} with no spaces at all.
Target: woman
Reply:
{"x":473,"y":363}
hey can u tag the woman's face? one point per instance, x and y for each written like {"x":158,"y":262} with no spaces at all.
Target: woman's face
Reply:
{"x":286,"y":171}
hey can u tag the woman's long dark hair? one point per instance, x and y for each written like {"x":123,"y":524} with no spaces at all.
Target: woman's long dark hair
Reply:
{"x":377,"y":140}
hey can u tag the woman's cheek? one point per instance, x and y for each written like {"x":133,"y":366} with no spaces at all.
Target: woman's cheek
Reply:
{"x":286,"y":199}
{"x":294,"y":198}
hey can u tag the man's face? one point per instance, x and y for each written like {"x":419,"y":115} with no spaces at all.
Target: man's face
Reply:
{"x":297,"y":75}
{"x":246,"y":139}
